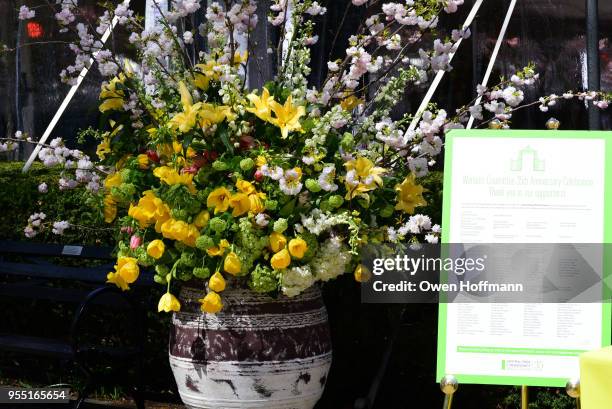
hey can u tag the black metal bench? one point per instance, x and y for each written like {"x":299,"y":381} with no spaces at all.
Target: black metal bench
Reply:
{"x":31,"y":271}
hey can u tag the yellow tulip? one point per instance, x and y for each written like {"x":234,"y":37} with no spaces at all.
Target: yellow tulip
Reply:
{"x":261,"y":104}
{"x":362,"y":274}
{"x":240,"y":203}
{"x":202,"y":219}
{"x":112,"y":180}
{"x":156,"y":249}
{"x":409,"y":195}
{"x":280,"y":260}
{"x":170,"y":176}
{"x":192,"y":235}
{"x":115,"y":278}
{"x":298,"y":247}
{"x":211,"y":303}
{"x":168,"y":302}
{"x":245,"y":187}
{"x":219,"y":199}
{"x":216,"y":282}
{"x":110,"y":209}
{"x":218,"y":250}
{"x":127,"y":267}
{"x":257,"y":202}
{"x":287,"y":116}
{"x":231,"y":264}
{"x":143,"y":161}
{"x":277,"y":242}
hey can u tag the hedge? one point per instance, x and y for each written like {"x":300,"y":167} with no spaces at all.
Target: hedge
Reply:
{"x":19,"y":198}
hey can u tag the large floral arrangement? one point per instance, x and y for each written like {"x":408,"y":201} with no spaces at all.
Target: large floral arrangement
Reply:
{"x":276,"y":188}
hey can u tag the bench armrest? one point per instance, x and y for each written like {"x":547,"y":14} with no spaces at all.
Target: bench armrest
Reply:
{"x":85,"y":306}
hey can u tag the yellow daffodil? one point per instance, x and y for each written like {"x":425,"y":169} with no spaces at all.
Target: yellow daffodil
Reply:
{"x":277,"y":242}
{"x":211,"y":303}
{"x":232,"y":264}
{"x":287,"y":116}
{"x":219,"y":199}
{"x":171,"y":177}
{"x":115,"y":278}
{"x":156,"y":249}
{"x":186,"y":120}
{"x":261,"y":104}
{"x":362,"y":176}
{"x":298,"y":247}
{"x":362,"y":274}
{"x":240,"y":204}
{"x":168,"y":302}
{"x":110,"y":209}
{"x":112,"y":95}
{"x":280,"y":260}
{"x":175,"y":229}
{"x":216,"y":282}
{"x":218,"y":250}
{"x":202,"y":219}
{"x":409,"y":195}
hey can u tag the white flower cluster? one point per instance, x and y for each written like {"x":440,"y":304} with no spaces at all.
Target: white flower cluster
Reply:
{"x":26,"y":13}
{"x":416,"y":224}
{"x":59,"y":227}
{"x":318,"y":222}
{"x":388,"y":133}
{"x":35,"y":223}
{"x":326,"y":179}
{"x":239,"y":19}
{"x":182,"y":8}
{"x":296,"y":279}
{"x":332,"y":259}
{"x":290,"y":183}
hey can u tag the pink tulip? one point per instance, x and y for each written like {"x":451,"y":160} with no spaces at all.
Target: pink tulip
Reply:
{"x":135,"y":242}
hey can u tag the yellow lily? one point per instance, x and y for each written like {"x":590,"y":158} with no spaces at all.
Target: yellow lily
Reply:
{"x":362,"y":176}
{"x":409,"y":195}
{"x":212,"y":115}
{"x":262,"y":105}
{"x":112,"y":98}
{"x":287,"y":116}
{"x":186,"y":120}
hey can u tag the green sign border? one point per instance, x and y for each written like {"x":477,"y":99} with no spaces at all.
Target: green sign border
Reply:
{"x":606,"y":306}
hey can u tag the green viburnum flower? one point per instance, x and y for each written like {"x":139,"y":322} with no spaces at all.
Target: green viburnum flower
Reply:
{"x":247,"y":164}
{"x":160,"y":279}
{"x":217,"y":224}
{"x":204,"y":242}
{"x":201,"y":272}
{"x":220,"y":166}
{"x":313,"y":185}
{"x":271,"y":205}
{"x":162,"y":269}
{"x":264,"y":279}
{"x":280,"y":225}
{"x":124,"y":192}
{"x":335,"y":201}
{"x":188,"y":259}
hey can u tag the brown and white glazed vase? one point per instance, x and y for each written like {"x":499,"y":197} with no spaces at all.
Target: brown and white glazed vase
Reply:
{"x":258,"y":352}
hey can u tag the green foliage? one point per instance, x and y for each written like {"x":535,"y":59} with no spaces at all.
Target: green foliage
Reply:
{"x":19,"y":198}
